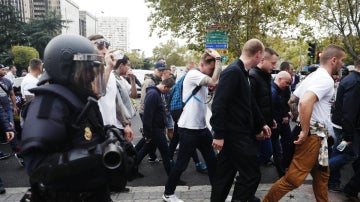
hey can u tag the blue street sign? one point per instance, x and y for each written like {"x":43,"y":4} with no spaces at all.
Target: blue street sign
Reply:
{"x":217,"y":46}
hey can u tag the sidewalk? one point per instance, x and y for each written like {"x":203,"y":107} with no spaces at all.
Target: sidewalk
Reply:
{"x":186,"y":193}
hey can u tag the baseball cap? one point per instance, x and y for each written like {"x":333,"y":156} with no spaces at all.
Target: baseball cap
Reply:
{"x":1,"y":66}
{"x":160,"y":66}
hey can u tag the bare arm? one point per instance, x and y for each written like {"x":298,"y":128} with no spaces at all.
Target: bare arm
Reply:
{"x":293,"y":105}
{"x":293,"y":99}
{"x":13,"y":100}
{"x":109,"y":65}
{"x":306,"y":105}
{"x":133,"y":90}
{"x":212,"y":81}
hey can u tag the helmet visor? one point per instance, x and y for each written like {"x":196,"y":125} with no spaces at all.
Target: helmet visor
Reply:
{"x":89,"y":74}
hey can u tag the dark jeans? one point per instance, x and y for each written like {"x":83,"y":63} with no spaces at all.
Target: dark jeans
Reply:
{"x":280,"y":146}
{"x":142,"y":141}
{"x":353,"y":186}
{"x":265,"y":151}
{"x":14,"y":142}
{"x":158,"y":141}
{"x":338,"y":159}
{"x":174,"y":142}
{"x":1,"y":183}
{"x":236,"y":158}
{"x":190,"y":140}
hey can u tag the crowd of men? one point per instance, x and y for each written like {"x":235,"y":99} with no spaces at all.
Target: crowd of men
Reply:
{"x":76,"y":138}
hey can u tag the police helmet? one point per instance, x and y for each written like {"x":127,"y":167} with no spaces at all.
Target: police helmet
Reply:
{"x":73,"y":60}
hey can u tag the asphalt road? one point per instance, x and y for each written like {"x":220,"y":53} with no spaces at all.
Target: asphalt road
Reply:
{"x":15,"y":176}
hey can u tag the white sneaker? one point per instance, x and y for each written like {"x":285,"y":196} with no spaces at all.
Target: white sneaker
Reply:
{"x":171,"y":198}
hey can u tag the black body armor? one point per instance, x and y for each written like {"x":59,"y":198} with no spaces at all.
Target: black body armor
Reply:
{"x":63,"y":146}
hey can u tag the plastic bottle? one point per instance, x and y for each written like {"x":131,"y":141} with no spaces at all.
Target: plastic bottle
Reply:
{"x":341,"y":146}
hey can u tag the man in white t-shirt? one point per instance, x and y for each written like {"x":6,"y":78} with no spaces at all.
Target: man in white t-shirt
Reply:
{"x":11,"y":74}
{"x":193,"y":131}
{"x":31,"y":79}
{"x":315,"y":94}
{"x":107,"y":103}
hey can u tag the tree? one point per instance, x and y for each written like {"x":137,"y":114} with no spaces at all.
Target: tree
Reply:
{"x":147,"y":63}
{"x":174,"y":53}
{"x":137,"y":60}
{"x":23,"y":54}
{"x":341,"y":18}
{"x":241,"y":19}
{"x":37,"y":33}
{"x":10,"y":30}
{"x":41,"y":31}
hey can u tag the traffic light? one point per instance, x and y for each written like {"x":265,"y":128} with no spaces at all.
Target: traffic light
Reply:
{"x":318,"y":57}
{"x":311,"y":50}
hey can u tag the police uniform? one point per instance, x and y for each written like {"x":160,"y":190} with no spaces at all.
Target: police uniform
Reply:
{"x":64,"y":140}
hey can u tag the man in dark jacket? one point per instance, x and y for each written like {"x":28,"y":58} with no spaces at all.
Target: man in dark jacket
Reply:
{"x":155,"y":122}
{"x":286,"y":93}
{"x":150,"y":80}
{"x":235,"y":122}
{"x":260,"y":83}
{"x":346,"y":124}
{"x":7,"y":131}
{"x":281,"y":116}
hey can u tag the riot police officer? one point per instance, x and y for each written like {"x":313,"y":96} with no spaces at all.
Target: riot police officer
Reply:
{"x":64,"y":140}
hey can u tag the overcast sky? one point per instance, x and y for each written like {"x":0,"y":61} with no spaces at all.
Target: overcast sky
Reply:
{"x":135,"y":10}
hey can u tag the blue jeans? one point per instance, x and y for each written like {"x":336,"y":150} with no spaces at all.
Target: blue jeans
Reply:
{"x":14,"y":141}
{"x":265,"y":151}
{"x":190,"y":140}
{"x":158,"y":141}
{"x":339,"y":159}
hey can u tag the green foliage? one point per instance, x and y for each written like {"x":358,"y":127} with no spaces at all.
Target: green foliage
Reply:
{"x":41,"y":31}
{"x":136,"y":60}
{"x":175,"y":59}
{"x":341,"y":20}
{"x":10,"y":29}
{"x":23,"y":54}
{"x":242,"y":19}
{"x":295,"y":22}
{"x":36,"y":33}
{"x":147,"y":63}
{"x":171,"y":51}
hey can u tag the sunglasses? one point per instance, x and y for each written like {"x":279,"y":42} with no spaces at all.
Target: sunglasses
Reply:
{"x":100,"y":44}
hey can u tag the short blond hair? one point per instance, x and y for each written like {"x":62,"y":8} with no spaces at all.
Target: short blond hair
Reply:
{"x":252,"y":46}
